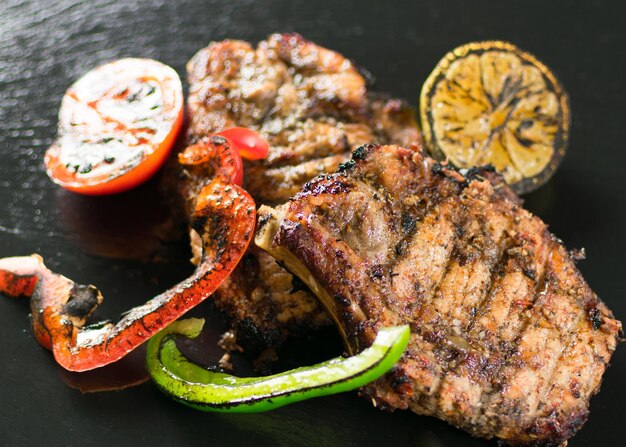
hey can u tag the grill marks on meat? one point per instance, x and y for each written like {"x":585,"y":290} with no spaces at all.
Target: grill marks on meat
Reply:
{"x":313,"y":107}
{"x":309,"y":102}
{"x":507,"y":340}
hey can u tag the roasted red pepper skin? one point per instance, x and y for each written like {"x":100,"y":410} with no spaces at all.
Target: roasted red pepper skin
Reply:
{"x":224,"y":217}
{"x":222,"y":214}
{"x":213,"y":156}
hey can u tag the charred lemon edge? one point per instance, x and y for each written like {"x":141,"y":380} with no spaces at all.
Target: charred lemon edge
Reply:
{"x":527,"y":184}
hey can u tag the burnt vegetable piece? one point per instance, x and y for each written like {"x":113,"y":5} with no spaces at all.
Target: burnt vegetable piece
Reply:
{"x":209,"y":390}
{"x":493,"y":103}
{"x":224,"y":217}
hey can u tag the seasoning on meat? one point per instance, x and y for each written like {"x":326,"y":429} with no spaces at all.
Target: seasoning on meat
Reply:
{"x":312,"y":106}
{"x":508,"y":340}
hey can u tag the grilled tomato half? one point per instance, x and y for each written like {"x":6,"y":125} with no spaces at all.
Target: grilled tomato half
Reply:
{"x":492,"y":103}
{"x":117,"y":124}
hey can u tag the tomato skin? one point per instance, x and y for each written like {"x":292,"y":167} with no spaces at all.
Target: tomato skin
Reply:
{"x":116,"y":102}
{"x":133,"y":178}
{"x":249,"y":144}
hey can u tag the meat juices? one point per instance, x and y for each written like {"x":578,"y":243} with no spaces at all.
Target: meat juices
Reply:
{"x":313,"y":107}
{"x":508,"y":340}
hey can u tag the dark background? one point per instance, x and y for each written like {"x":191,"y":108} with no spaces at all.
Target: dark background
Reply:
{"x":45,"y":46}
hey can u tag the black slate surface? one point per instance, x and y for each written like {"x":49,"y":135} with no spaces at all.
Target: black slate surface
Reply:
{"x":45,"y":46}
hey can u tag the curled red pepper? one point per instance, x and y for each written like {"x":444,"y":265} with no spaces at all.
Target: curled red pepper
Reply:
{"x":213,"y":156}
{"x":223,"y":215}
{"x":221,"y":154}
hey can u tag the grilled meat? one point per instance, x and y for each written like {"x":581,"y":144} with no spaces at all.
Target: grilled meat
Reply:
{"x":313,"y":107}
{"x":508,"y":340}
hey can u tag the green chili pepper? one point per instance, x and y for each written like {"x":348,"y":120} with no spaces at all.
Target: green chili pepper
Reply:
{"x":208,"y":390}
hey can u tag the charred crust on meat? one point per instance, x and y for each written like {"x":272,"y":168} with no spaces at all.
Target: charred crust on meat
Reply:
{"x":577,"y":254}
{"x":400,"y":382}
{"x":377,"y":272}
{"x":437,"y":167}
{"x":287,"y":232}
{"x":400,"y":248}
{"x":297,"y":285}
{"x":477,"y":172}
{"x":339,"y":254}
{"x":555,"y":427}
{"x":326,"y":185}
{"x":574,"y":388}
{"x":348,"y":317}
{"x":346,"y":166}
{"x":361,"y":152}
{"x":594,"y":316}
{"x":409,"y":222}
{"x":371,"y":303}
{"x":252,"y":338}
{"x":263,"y":220}
{"x":459,"y":230}
{"x":435,"y":337}
{"x":341,"y":300}
{"x":464,"y":256}
{"x":250,"y":263}
{"x":463,"y":177}
{"x":529,"y":273}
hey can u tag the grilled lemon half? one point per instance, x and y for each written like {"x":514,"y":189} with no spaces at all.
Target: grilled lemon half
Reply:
{"x":492,"y":103}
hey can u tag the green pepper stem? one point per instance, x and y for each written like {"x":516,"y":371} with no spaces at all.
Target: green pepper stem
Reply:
{"x":207,"y":390}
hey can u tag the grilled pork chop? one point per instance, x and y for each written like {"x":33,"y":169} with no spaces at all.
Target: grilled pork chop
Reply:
{"x":313,"y":107}
{"x":508,"y":340}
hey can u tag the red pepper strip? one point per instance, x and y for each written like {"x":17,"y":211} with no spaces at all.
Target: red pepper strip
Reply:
{"x":214,"y":157}
{"x":224,"y":217}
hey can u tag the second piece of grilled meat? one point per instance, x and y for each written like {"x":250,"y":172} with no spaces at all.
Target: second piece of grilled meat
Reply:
{"x":508,"y":340}
{"x":313,"y":107}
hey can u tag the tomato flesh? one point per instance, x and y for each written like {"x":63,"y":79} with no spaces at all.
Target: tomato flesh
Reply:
{"x":117,"y":125}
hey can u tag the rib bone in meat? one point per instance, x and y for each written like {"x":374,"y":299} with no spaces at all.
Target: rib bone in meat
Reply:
{"x":508,"y":340}
{"x":314,"y":108}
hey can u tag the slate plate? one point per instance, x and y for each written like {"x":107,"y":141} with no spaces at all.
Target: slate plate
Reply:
{"x":44,"y":46}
